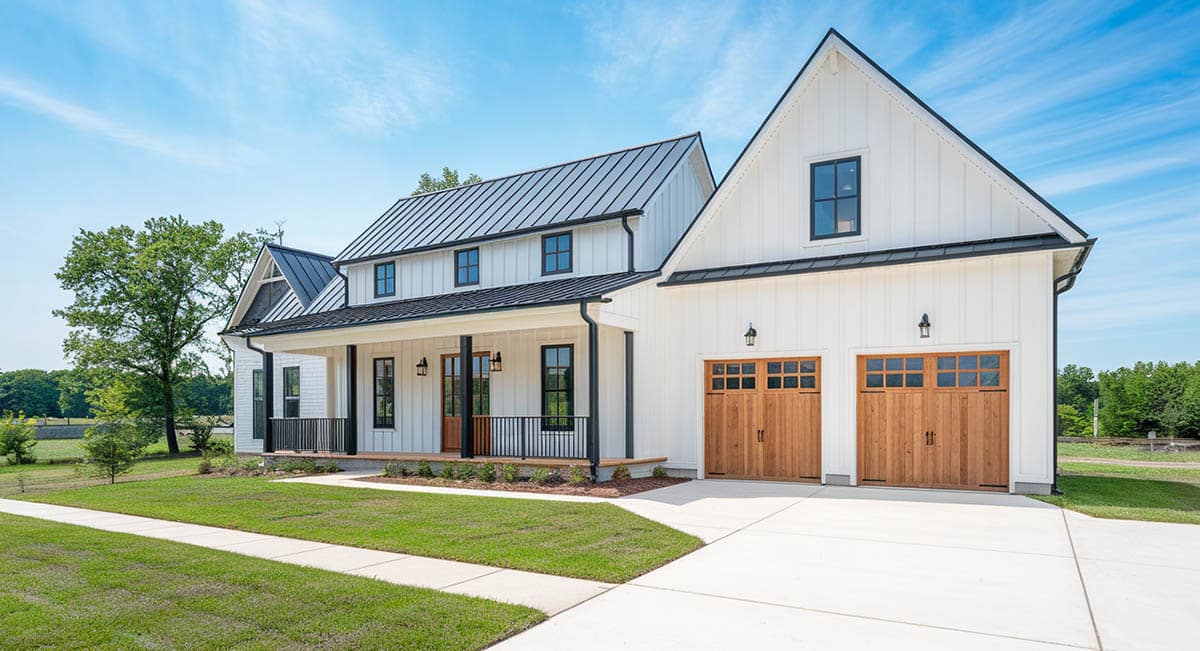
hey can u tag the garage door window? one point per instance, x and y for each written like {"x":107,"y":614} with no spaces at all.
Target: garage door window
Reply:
{"x":792,"y":374}
{"x":895,"y":372}
{"x":969,"y":371}
{"x":734,"y":376}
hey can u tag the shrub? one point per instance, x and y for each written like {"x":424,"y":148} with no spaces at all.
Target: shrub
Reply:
{"x":201,"y":434}
{"x":511,"y":472}
{"x":221,"y":447}
{"x":539,"y":476}
{"x":468,"y":472}
{"x":448,"y":471}
{"x":575,"y":475}
{"x":393,"y":469}
{"x":659,"y":472}
{"x":112,"y":449}
{"x":423,"y":469}
{"x":250,"y":465}
{"x":17,"y":438}
{"x":328,"y":466}
{"x":205,"y":467}
{"x":299,"y":465}
{"x":487,"y":472}
{"x":620,"y":472}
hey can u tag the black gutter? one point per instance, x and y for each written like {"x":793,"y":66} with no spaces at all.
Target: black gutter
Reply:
{"x":629,"y":231}
{"x":1069,"y":278}
{"x":345,"y":287}
{"x":268,"y":364}
{"x":593,"y":428}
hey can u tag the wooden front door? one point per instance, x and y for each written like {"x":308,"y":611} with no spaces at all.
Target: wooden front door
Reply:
{"x":934,"y":421}
{"x":762,"y":419}
{"x":452,"y":401}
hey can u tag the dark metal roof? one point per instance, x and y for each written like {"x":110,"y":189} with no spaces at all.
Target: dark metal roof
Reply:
{"x":307,"y":272}
{"x":553,"y":292}
{"x":908,"y":255}
{"x":604,"y":186}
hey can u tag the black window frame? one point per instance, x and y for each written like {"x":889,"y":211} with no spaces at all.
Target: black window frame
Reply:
{"x":290,"y":400}
{"x":458,"y":267}
{"x":812,"y":198}
{"x":258,"y":404}
{"x":563,"y":424}
{"x":387,"y":280}
{"x":570,"y":251}
{"x":388,"y":420}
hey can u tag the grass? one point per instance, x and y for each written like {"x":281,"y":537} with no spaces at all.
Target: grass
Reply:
{"x":64,"y":586}
{"x":41,"y":478}
{"x":1126,"y":452}
{"x":64,"y":450}
{"x":585,"y":540}
{"x":1130,"y":492}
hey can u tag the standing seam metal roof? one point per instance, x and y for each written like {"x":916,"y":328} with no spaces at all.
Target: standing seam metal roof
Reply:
{"x":610,"y":184}
{"x":308,"y":273}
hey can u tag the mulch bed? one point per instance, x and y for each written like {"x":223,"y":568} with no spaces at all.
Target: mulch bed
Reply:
{"x":617,"y":488}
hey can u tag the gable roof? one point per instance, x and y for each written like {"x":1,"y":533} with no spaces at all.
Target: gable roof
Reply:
{"x":834,"y":39}
{"x":306,"y":272}
{"x":590,"y":189}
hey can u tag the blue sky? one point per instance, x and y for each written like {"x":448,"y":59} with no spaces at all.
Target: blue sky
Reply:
{"x":323,"y":114}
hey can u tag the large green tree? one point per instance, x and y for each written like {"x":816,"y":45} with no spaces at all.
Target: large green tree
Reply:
{"x":144,"y":300}
{"x":1078,"y":387}
{"x":30,"y":391}
{"x":449,"y":179}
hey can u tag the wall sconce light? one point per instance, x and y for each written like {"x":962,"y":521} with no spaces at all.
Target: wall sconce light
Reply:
{"x":924,"y":326}
{"x":497,"y":363}
{"x":751,"y":333}
{"x":423,"y":367}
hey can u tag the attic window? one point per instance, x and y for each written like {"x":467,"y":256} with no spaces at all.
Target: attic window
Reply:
{"x":836,"y":203}
{"x":466,"y":267}
{"x":385,"y":279}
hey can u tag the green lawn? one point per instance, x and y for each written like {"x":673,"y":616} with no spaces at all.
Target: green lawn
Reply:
{"x":586,"y":540}
{"x":41,"y":478}
{"x":1126,"y":452}
{"x":63,"y":586}
{"x":1130,"y":492}
{"x":56,"y":450}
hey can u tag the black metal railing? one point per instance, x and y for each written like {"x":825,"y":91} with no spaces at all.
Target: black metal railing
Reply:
{"x":531,"y":437}
{"x":310,"y":434}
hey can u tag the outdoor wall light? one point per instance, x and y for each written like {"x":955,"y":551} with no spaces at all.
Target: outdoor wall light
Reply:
{"x":423,"y":367}
{"x":751,"y":333}
{"x":497,"y":363}
{"x":924,"y":326}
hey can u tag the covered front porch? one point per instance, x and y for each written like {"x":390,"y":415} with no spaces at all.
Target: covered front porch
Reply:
{"x":547,"y":384}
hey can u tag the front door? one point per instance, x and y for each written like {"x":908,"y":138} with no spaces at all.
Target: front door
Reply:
{"x":762,"y":419}
{"x":452,"y":402}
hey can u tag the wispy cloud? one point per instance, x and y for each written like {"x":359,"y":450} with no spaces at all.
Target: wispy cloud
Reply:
{"x":1091,"y":177}
{"x":30,"y":98}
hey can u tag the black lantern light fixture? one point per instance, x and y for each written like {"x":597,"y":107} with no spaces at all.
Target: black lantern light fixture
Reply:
{"x":751,"y":333}
{"x":423,"y":367}
{"x":924,"y":326}
{"x":497,"y":363}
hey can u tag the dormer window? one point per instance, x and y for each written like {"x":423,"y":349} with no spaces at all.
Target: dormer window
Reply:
{"x":385,"y":279}
{"x":836,"y":205}
{"x":556,"y":253}
{"x":466,"y":267}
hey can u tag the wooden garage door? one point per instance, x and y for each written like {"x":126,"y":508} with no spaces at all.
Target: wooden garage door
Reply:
{"x":936,"y":421}
{"x":762,"y":419}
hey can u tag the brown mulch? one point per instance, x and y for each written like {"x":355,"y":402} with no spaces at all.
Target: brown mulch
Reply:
{"x":616,"y":488}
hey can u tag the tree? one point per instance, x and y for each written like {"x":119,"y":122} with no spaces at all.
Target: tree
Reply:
{"x":17,"y":438}
{"x":122,"y":431}
{"x":73,"y":387}
{"x":1077,"y":386}
{"x":1124,"y":401}
{"x":209,"y":395}
{"x":1071,"y":422}
{"x":143,"y":300}
{"x":449,"y":180}
{"x":111,"y":450}
{"x":30,"y":391}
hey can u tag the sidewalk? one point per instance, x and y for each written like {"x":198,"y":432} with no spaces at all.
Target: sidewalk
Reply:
{"x":548,"y":593}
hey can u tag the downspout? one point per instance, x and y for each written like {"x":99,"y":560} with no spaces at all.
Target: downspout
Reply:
{"x":593,"y":429}
{"x":268,"y":364}
{"x":629,"y":231}
{"x":345,"y":286}
{"x":1069,"y":279}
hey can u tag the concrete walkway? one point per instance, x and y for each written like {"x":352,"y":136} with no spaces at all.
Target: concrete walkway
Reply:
{"x":550,"y":594}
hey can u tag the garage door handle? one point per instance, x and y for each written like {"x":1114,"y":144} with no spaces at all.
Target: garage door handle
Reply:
{"x":760,"y":435}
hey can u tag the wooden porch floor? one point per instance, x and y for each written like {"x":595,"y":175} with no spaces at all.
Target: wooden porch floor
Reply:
{"x":453,"y":457}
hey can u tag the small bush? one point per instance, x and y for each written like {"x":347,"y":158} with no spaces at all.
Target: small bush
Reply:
{"x":221,"y":447}
{"x":204,"y":467}
{"x":575,"y":475}
{"x":468,"y":472}
{"x":250,"y":465}
{"x":393,"y":469}
{"x":423,"y":469}
{"x":328,"y":466}
{"x":201,"y":434}
{"x":299,"y":465}
{"x":539,"y":476}
{"x":511,"y":472}
{"x":487,"y":472}
{"x":659,"y":472}
{"x":448,"y":471}
{"x":17,"y":438}
{"x":620,"y":472}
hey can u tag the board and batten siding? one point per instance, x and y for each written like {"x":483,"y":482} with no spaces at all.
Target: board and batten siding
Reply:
{"x":916,"y":186}
{"x":672,"y":210}
{"x":313,"y":393}
{"x":998,"y":302}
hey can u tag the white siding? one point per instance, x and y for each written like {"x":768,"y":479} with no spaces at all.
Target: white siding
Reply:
{"x":1000,"y":302}
{"x":671,"y":211}
{"x":312,"y":390}
{"x":917,"y":187}
{"x":597,"y":249}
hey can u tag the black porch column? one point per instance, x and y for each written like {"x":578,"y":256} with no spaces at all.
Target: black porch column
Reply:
{"x":351,"y":399}
{"x":628,"y":394}
{"x":268,"y":360}
{"x":466,"y":393}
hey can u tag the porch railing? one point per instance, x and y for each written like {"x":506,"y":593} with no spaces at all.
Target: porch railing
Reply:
{"x":310,"y":434}
{"x":531,"y":437}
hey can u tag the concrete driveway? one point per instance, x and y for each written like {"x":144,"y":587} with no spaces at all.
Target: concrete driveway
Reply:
{"x":798,"y":566}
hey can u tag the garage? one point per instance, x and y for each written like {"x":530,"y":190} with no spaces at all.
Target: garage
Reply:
{"x":762,"y":419}
{"x":934,"y":420}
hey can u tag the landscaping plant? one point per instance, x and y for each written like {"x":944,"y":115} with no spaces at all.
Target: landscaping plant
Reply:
{"x":112,"y":449}
{"x":575,"y":475}
{"x":659,"y":472}
{"x":511,"y":472}
{"x":393,"y":469}
{"x":467,"y":472}
{"x":447,"y":471}
{"x":423,"y":469}
{"x":620,"y":472}
{"x":539,"y":476}
{"x":487,"y":472}
{"x":17,"y":438}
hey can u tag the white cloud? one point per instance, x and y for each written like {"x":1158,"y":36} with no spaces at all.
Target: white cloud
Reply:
{"x":1073,"y":181}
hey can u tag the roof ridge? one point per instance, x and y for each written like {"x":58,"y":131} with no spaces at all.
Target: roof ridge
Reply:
{"x":314,"y":254}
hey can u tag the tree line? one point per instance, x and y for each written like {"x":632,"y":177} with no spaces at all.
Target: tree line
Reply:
{"x":1135,"y":400}
{"x":72,"y":393}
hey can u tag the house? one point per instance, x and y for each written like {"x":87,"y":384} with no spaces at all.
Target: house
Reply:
{"x":866,"y":298}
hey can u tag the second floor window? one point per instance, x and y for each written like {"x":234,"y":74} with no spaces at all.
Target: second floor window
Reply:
{"x":385,"y":279}
{"x":835,"y":198}
{"x":556,"y":253}
{"x":466,"y":267}
{"x":291,"y":392}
